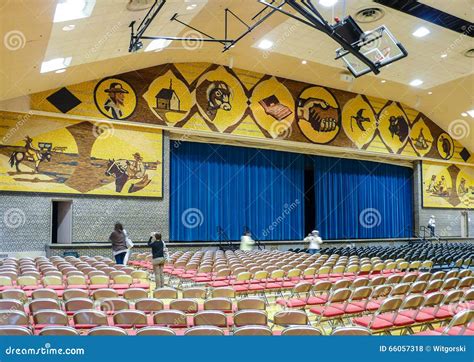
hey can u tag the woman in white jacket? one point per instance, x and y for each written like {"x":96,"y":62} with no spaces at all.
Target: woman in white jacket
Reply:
{"x":314,"y":241}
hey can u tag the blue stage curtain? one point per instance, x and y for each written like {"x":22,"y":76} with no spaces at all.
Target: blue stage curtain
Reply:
{"x":361,"y":199}
{"x":233,"y":187}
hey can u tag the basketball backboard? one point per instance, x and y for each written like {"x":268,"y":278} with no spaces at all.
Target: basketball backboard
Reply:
{"x":379,"y":46}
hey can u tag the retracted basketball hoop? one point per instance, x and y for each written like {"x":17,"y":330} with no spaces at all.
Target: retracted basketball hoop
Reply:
{"x":378,"y":46}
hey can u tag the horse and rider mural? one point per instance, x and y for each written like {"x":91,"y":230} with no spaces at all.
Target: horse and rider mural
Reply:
{"x":125,"y":170}
{"x":31,"y":154}
{"x":76,"y":160}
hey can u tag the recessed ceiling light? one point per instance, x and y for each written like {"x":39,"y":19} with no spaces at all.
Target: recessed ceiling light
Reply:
{"x":265,"y":44}
{"x":430,"y":93}
{"x":69,"y":27}
{"x":421,"y":32}
{"x":61,"y":70}
{"x":471,"y":113}
{"x":304,"y":62}
{"x":416,"y":82}
{"x":55,"y":64}
{"x":464,"y":114}
{"x":327,"y":3}
{"x":67,"y":10}
{"x":157,"y":45}
{"x":383,"y":81}
{"x":444,"y":55}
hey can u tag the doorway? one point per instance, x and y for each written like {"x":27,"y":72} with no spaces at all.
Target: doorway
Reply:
{"x":61,"y":222}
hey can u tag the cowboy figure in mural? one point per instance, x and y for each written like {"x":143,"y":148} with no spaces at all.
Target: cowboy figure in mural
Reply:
{"x":30,"y":150}
{"x":116,"y":99}
{"x":31,"y":154}
{"x":136,"y":169}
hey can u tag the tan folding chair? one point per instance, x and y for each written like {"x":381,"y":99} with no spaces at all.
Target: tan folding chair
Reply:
{"x":130,"y":319}
{"x":251,"y":303}
{"x":14,"y":331}
{"x":210,"y":318}
{"x":76,"y":304}
{"x":222,"y":304}
{"x":107,"y":331}
{"x":58,"y":331}
{"x":351,"y":331}
{"x":253,"y":331}
{"x":301,"y":331}
{"x":104,"y":293}
{"x":204,"y":331}
{"x":155,"y":331}
{"x":149,"y":305}
{"x":42,"y":304}
{"x":170,"y":318}
{"x":186,"y":305}
{"x":250,"y":317}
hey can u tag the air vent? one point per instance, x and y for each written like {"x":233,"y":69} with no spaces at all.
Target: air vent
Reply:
{"x":139,"y":5}
{"x":369,"y":15}
{"x":469,"y":53}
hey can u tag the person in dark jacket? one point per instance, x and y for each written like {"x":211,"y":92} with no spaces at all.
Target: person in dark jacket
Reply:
{"x":119,"y":246}
{"x":158,"y":250}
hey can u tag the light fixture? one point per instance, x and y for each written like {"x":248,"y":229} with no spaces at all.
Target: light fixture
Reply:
{"x":191,"y":7}
{"x":444,"y":55}
{"x":55,"y":64}
{"x":421,"y":32}
{"x":69,"y":27}
{"x":327,"y":3}
{"x":430,"y":93}
{"x":304,"y":62}
{"x":265,"y":44}
{"x":471,"y":113}
{"x":416,"y":82}
{"x":383,"y":81}
{"x":60,"y":70}
{"x":157,"y":45}
{"x":464,"y":114}
{"x":67,"y":10}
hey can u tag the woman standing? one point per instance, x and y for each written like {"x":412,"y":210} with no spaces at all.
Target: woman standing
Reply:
{"x":159,"y":254}
{"x":119,"y":245}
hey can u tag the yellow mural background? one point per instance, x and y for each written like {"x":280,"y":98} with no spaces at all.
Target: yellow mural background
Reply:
{"x":446,"y":194}
{"x":247,"y":119}
{"x":71,"y":170}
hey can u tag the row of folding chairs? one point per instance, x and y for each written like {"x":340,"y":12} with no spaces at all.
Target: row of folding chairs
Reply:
{"x":193,"y":331}
{"x":87,"y":319}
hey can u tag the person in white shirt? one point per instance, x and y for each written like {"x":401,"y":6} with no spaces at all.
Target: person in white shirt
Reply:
{"x":432,"y":225}
{"x":246,"y":241}
{"x":314,"y":241}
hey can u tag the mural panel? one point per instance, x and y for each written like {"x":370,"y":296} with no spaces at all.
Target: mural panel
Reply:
{"x":448,"y":186}
{"x":220,"y":100}
{"x":39,"y":154}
